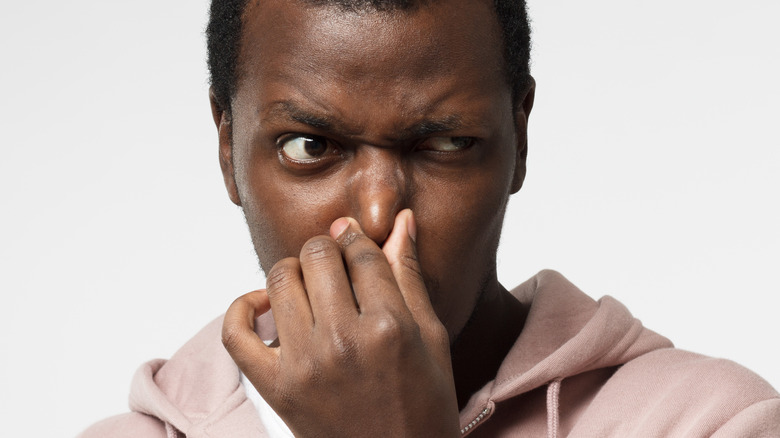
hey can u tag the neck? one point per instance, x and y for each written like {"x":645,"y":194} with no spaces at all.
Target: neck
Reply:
{"x":484,"y":342}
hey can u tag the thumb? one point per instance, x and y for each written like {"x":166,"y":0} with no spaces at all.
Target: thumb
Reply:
{"x":401,"y":252}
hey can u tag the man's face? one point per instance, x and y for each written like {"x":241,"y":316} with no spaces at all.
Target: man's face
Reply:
{"x":364,"y":114}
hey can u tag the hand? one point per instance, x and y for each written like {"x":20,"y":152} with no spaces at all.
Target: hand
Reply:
{"x":361,"y":352}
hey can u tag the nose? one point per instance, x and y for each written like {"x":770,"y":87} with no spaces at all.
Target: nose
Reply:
{"x":377,"y":189}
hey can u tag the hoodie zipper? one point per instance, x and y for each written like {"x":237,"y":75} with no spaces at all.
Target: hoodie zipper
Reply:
{"x":485,"y":412}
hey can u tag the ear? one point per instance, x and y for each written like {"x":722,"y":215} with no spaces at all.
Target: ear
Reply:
{"x":224,"y":131}
{"x":522,"y":112}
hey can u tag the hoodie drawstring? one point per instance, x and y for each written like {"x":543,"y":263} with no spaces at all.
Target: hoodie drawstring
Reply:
{"x":170,"y":431}
{"x":553,"y":392}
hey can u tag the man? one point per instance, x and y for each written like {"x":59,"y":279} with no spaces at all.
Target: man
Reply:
{"x":373,"y":147}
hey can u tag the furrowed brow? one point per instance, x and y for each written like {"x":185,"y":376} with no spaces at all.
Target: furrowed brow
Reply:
{"x":290,"y":111}
{"x":428,"y":127}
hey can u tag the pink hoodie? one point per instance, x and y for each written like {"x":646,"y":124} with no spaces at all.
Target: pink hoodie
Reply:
{"x":580,"y":368}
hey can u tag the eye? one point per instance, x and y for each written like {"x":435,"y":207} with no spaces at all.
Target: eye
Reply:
{"x":304,"y":147}
{"x":447,"y":144}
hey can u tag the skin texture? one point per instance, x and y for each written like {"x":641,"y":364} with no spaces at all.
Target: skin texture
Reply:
{"x":411,"y":112}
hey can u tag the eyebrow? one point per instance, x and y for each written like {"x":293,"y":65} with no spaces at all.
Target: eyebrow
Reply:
{"x":428,"y":127}
{"x":423,"y":128}
{"x":287,"y":109}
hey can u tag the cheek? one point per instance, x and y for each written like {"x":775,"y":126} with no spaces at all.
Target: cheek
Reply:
{"x":460,"y":223}
{"x":457,"y":241}
{"x":464,"y":222}
{"x":282,"y":212}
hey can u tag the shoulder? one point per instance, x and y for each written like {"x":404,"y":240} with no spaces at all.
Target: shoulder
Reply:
{"x":129,"y":425}
{"x":671,"y":392}
{"x":671,"y":369}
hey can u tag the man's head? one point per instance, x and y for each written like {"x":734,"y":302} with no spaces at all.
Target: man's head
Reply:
{"x":364,"y":112}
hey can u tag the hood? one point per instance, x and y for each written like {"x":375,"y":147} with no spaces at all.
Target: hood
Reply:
{"x":197,"y":391}
{"x":566,"y":333}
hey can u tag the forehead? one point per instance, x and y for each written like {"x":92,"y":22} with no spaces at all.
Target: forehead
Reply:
{"x":364,"y":48}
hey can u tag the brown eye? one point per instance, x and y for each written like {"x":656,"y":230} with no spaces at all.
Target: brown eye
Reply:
{"x":447,"y":144}
{"x":304,"y":147}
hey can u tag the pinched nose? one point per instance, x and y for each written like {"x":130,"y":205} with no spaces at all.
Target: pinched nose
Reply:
{"x":378,"y":190}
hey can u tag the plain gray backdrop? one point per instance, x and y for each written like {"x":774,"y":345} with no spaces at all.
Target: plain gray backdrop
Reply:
{"x":652,"y":177}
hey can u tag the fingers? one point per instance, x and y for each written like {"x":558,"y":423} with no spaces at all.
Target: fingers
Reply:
{"x":372,"y":279}
{"x":327,"y":283}
{"x":287,"y":295}
{"x":248,"y":351}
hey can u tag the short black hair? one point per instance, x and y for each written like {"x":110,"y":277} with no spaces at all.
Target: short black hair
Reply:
{"x":223,"y":35}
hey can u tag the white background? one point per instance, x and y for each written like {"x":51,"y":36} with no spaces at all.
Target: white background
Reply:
{"x":654,"y":173}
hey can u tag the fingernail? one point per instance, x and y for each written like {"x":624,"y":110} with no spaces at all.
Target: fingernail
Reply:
{"x":411,"y":227}
{"x":338,"y":227}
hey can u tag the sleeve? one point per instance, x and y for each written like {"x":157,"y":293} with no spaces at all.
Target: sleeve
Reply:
{"x":760,"y":420}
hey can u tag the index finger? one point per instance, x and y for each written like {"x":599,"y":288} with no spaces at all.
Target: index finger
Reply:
{"x":373,"y":283}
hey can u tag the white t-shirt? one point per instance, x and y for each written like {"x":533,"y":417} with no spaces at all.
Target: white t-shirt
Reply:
{"x":274,"y":425}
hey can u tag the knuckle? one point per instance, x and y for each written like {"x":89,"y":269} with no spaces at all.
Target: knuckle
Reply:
{"x":392,"y":336}
{"x":388,"y":329}
{"x":410,"y":263}
{"x":438,"y":333}
{"x":319,"y":248}
{"x":366,"y":256}
{"x":282,"y":276}
{"x":232,"y":337}
{"x":343,"y":349}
